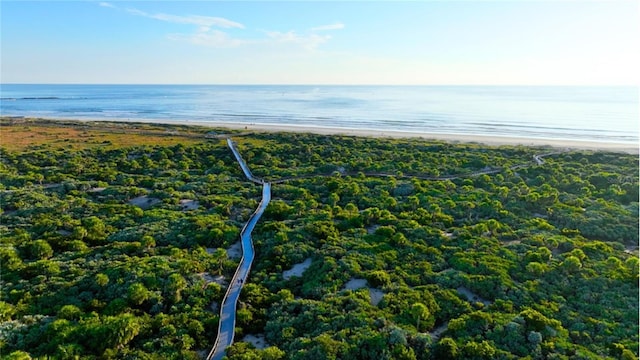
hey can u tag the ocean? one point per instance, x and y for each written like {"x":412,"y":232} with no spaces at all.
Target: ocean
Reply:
{"x":603,"y":114}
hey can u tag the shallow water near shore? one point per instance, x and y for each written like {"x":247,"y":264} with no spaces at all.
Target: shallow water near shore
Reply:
{"x":604,"y":114}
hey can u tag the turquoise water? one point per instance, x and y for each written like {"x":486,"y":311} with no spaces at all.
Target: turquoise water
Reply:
{"x":608,"y":114}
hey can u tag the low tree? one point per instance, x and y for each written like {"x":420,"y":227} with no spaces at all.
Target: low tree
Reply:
{"x":40,"y":250}
{"x":420,"y":312}
{"x":138,"y":294}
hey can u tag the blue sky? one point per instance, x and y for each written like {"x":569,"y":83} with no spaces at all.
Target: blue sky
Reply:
{"x":328,"y":42}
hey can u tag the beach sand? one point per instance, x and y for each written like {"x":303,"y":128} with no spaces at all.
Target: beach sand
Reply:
{"x":559,"y":144}
{"x":454,"y":138}
{"x":297,"y":269}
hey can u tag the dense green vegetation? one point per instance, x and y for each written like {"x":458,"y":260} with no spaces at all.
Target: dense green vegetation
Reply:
{"x":87,"y":273}
{"x":525,"y":261}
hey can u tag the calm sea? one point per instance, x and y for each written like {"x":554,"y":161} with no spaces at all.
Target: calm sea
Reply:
{"x":608,"y":114}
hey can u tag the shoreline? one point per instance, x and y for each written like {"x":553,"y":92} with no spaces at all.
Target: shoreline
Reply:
{"x":491,"y":140}
{"x":495,"y":140}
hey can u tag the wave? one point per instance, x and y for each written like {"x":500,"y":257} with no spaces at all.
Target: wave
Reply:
{"x":42,"y":98}
{"x":33,"y":98}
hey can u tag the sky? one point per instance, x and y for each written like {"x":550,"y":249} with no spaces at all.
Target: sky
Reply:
{"x":504,"y":42}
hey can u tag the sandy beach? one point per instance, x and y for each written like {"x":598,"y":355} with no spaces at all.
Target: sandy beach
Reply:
{"x":560,"y":144}
{"x":455,"y":138}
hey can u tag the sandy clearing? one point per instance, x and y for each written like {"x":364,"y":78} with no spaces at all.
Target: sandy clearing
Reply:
{"x":144,"y":202}
{"x":208,"y":278}
{"x":376,"y":296}
{"x":235,"y":251}
{"x":471,"y":296}
{"x":257,"y":340}
{"x":512,"y":242}
{"x":437,"y":332}
{"x":188,"y":204}
{"x":355,"y":284}
{"x":297,"y":269}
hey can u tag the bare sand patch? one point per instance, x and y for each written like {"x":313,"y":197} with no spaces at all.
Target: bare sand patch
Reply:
{"x":218,"y":279}
{"x":96,"y":189}
{"x":297,"y":269}
{"x":188,"y":204}
{"x":471,"y":296}
{"x":144,"y":202}
{"x":355,"y":284}
{"x":437,"y":332}
{"x":512,"y":242}
{"x":208,"y":278}
{"x":235,"y":251}
{"x":372,"y":229}
{"x":257,"y":340}
{"x":375,"y":296}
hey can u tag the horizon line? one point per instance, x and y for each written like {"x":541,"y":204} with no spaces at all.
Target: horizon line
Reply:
{"x":315,"y":84}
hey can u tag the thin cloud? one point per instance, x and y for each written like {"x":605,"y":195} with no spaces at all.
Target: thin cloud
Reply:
{"x":336,"y":26}
{"x":309,"y":42}
{"x":201,"y":21}
{"x":205,"y":33}
{"x":212,"y":38}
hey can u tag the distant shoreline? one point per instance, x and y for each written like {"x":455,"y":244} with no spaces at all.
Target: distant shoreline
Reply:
{"x":461,"y":138}
{"x":453,"y":138}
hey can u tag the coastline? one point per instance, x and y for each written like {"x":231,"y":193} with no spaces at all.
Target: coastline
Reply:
{"x":453,"y":138}
{"x":319,"y":130}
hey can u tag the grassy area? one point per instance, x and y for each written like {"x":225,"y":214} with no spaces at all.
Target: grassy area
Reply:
{"x":22,"y":134}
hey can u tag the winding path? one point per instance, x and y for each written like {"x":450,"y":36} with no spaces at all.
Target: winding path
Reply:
{"x":242,"y":163}
{"x":227,"y":323}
